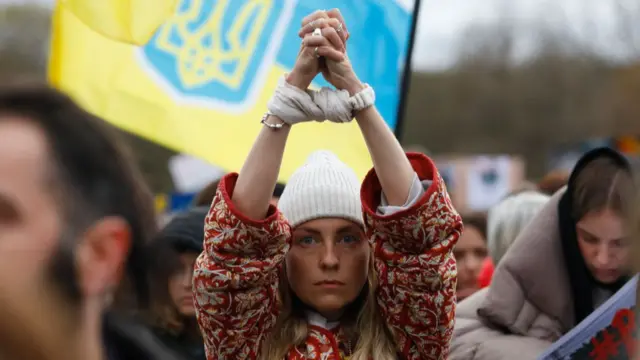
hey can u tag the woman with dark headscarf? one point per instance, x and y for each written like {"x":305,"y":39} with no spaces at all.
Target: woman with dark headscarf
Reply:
{"x":569,"y":260}
{"x":172,"y":313}
{"x":592,"y":228}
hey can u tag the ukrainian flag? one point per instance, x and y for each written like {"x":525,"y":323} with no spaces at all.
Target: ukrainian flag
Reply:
{"x":195,"y":75}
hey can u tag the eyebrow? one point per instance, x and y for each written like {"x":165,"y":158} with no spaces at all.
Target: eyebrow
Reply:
{"x":594,"y":236}
{"x":341,"y":230}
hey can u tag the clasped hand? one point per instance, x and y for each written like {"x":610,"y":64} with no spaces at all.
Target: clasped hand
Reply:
{"x":324,"y":37}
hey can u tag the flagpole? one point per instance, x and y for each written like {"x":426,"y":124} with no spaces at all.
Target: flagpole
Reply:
{"x":406,"y":73}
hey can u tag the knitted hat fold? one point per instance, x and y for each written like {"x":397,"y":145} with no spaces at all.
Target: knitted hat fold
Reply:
{"x":324,"y":187}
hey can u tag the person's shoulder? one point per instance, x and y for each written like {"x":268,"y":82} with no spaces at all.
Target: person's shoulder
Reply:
{"x":475,"y":339}
{"x":510,"y":346}
{"x":468,"y":308}
{"x":469,"y":329}
{"x":133,"y":341}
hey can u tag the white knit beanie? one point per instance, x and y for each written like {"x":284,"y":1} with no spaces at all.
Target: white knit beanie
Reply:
{"x":508,"y":218}
{"x":324,"y":187}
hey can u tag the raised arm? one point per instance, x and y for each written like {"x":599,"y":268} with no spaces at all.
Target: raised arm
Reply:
{"x":392,"y":166}
{"x":413,"y":227}
{"x":389,"y":159}
{"x":413,"y":254}
{"x":259,"y":173}
{"x":236,"y":277}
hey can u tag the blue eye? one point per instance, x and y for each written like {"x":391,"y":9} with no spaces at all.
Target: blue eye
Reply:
{"x":349,"y":239}
{"x":307,"y":240}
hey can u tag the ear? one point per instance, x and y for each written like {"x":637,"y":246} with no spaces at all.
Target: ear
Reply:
{"x":102,"y":254}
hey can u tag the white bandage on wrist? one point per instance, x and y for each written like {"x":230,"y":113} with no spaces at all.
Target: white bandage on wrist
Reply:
{"x":363,"y":99}
{"x":293,"y":105}
{"x":334,"y":104}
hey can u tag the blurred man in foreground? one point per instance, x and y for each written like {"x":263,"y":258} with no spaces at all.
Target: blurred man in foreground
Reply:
{"x":74,"y":220}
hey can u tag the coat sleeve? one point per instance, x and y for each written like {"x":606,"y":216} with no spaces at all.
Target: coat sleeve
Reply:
{"x":236,"y":277}
{"x":413,"y":254}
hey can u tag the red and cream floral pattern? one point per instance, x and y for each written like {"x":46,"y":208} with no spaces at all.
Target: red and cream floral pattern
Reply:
{"x":236,"y":277}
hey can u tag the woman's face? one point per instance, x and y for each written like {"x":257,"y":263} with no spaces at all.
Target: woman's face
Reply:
{"x":328,"y":263}
{"x":180,"y":285}
{"x":470,"y":252}
{"x":604,"y":245}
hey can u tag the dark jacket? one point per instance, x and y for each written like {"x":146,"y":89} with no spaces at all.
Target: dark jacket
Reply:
{"x":190,"y":349}
{"x":126,"y":340}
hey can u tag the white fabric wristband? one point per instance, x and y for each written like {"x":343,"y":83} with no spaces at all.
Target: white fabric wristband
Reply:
{"x":293,"y":105}
{"x":363,"y":99}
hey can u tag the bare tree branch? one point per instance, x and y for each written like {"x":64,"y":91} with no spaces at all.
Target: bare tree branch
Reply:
{"x":493,"y":102}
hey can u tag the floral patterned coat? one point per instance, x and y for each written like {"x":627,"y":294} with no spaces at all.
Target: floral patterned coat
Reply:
{"x":236,"y":276}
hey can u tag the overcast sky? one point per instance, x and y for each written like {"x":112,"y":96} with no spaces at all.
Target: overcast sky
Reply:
{"x":442,"y":23}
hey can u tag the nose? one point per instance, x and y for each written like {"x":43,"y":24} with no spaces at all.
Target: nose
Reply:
{"x":470,"y":263}
{"x":329,"y":259}
{"x":186,"y":277}
{"x":603,"y":255}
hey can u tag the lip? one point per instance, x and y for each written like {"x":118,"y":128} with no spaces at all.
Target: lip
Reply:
{"x":607,"y":272}
{"x":330,"y":283}
{"x":187,"y":300}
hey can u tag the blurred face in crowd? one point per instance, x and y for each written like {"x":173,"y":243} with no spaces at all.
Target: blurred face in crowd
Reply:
{"x":470,"y":252}
{"x":327,"y":264}
{"x":47,"y":271}
{"x":180,"y":285}
{"x":604,"y":245}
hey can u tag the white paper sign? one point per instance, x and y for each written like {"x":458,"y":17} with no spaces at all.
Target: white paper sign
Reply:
{"x":488,"y":181}
{"x":191,"y":174}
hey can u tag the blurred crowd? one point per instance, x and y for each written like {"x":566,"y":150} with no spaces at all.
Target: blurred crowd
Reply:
{"x":323,"y":267}
{"x":82,"y":256}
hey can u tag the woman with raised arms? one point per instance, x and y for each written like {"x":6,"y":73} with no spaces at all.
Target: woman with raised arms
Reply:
{"x":340,"y":270}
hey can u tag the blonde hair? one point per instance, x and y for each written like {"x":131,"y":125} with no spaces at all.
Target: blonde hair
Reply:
{"x":508,"y":218}
{"x":367,"y":327}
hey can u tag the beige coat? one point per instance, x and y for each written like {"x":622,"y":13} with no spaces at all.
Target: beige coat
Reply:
{"x":528,"y":305}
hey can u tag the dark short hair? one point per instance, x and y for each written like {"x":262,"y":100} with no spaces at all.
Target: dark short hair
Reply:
{"x":206,"y":195}
{"x":477,"y":220}
{"x":90,"y":170}
{"x":279,"y":189}
{"x":553,"y":181}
